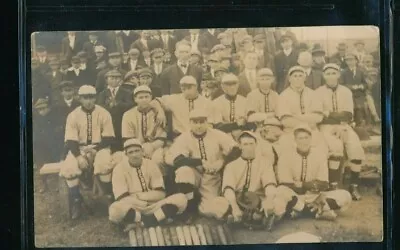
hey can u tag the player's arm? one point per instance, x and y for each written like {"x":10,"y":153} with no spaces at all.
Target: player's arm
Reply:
{"x":314,"y":117}
{"x":71,"y":136}
{"x":128,"y":128}
{"x":321,"y":183}
{"x":151,"y":196}
{"x":268,"y":181}
{"x":107,"y":133}
{"x":179,"y":155}
{"x":230,"y":195}
{"x":119,"y":185}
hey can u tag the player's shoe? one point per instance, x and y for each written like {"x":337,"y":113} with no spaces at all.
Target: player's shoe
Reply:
{"x":355,"y":194}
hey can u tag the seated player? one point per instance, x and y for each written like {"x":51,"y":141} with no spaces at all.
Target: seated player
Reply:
{"x":180,"y":105}
{"x":303,"y":171}
{"x":299,"y":104}
{"x":252,"y":175}
{"x":230,"y":109}
{"x":338,"y":111}
{"x":140,"y":123}
{"x":263,"y":99}
{"x":139,"y":191}
{"x":199,"y":156}
{"x":89,"y":135}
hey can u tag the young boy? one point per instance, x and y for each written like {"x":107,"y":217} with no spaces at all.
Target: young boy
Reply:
{"x":140,"y":123}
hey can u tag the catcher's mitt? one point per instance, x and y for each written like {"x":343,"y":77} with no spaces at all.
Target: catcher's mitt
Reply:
{"x":250,"y":204}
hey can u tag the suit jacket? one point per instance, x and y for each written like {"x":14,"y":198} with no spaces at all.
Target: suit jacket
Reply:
{"x":208,"y":41}
{"x":101,"y":80}
{"x":157,"y":80}
{"x":350,"y":80}
{"x":82,"y":79}
{"x":315,"y":79}
{"x":172,"y":75}
{"x":120,"y":41}
{"x":88,"y":47}
{"x":124,"y":102}
{"x":151,"y":44}
{"x":244,"y":85}
{"x":336,"y":58}
{"x":170,"y":47}
{"x":67,"y":51}
{"x":63,"y":110}
{"x":55,"y":83}
{"x":127,"y":66}
{"x":41,"y":87}
{"x":282,"y":65}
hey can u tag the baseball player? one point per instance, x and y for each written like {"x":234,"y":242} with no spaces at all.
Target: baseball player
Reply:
{"x":140,"y":123}
{"x":303,"y":175}
{"x":199,"y":156}
{"x":181,"y":104}
{"x":230,"y":111}
{"x":89,"y":133}
{"x":252,"y":175}
{"x":338,"y":111}
{"x":263,"y":99}
{"x":139,"y":190}
{"x":299,"y":104}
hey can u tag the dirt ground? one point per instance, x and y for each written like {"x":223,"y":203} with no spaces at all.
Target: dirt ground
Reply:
{"x":361,"y":222}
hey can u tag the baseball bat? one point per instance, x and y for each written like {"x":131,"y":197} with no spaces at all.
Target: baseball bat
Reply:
{"x":174,"y":236}
{"x":195,"y":236}
{"x":214,"y":235}
{"x":221,"y":234}
{"x":160,"y":237}
{"x":207,"y":232}
{"x":167,"y":236}
{"x":186,"y":233}
{"x":132,"y":238}
{"x":202,"y":236}
{"x":228,"y":234}
{"x":139,"y":236}
{"x":181,"y":236}
{"x":153,"y":236}
{"x":146,"y":237}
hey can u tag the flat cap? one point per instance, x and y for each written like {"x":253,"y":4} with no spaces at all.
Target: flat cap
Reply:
{"x":198,"y":113}
{"x":64,"y":84}
{"x":272,"y":121}
{"x":296,"y":69}
{"x":285,"y":36}
{"x":226,"y":57}
{"x":317,"y":49}
{"x":157,"y":51}
{"x":259,"y":37}
{"x":246,"y":38}
{"x":145,"y":72}
{"x":265,"y":72}
{"x":99,"y":49}
{"x":75,"y":59}
{"x":213,"y":58}
{"x":350,"y":55}
{"x":41,"y":103}
{"x":221,"y":69}
{"x":303,"y":127}
{"x":134,"y":51}
{"x":113,"y":72}
{"x":195,"y":52}
{"x":189,"y":80}
{"x":257,"y":117}
{"x":132,"y":142}
{"x":207,"y":76}
{"x":331,"y":66}
{"x":114,"y":54}
{"x":87,"y":90}
{"x":142,"y":88}
{"x":130,"y":74}
{"x":82,"y":54}
{"x":247,"y":133}
{"x":217,"y":48}
{"x":230,"y":78}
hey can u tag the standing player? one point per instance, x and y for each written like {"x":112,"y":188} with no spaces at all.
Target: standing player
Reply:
{"x":263,"y":99}
{"x":139,"y":190}
{"x":252,"y":173}
{"x":199,"y":156}
{"x":338,"y":114}
{"x":304,"y":172}
{"x":89,"y":134}
{"x":140,"y":123}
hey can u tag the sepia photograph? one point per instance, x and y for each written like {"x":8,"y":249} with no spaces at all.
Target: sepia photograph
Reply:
{"x":211,"y":136}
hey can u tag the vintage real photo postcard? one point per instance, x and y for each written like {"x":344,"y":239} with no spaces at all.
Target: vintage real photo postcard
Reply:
{"x":212,"y":136}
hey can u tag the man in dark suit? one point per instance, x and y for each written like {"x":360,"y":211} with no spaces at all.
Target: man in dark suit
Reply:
{"x":194,"y":39}
{"x":121,"y":40}
{"x":354,"y":78}
{"x":133,"y":61}
{"x":172,"y":75}
{"x":264,"y":58}
{"x":168,"y":44}
{"x":338,"y":57}
{"x":318,"y":54}
{"x":117,"y":101}
{"x":76,"y":74}
{"x":208,"y":39}
{"x":88,"y":46}
{"x":70,"y":45}
{"x":142,"y":44}
{"x":114,"y":62}
{"x":284,"y":60}
{"x":314,"y":77}
{"x":248,"y":77}
{"x":40,"y":83}
{"x":55,"y":77}
{"x":157,"y":67}
{"x":43,"y":59}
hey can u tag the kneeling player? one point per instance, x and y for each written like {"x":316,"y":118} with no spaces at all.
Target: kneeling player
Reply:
{"x":138,"y":187}
{"x":199,"y":156}
{"x":304,"y":172}
{"x":252,"y":175}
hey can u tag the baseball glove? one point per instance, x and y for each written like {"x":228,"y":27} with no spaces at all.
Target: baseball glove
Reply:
{"x":250,"y":204}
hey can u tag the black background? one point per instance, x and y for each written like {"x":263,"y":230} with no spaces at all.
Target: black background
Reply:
{"x":47,"y":15}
